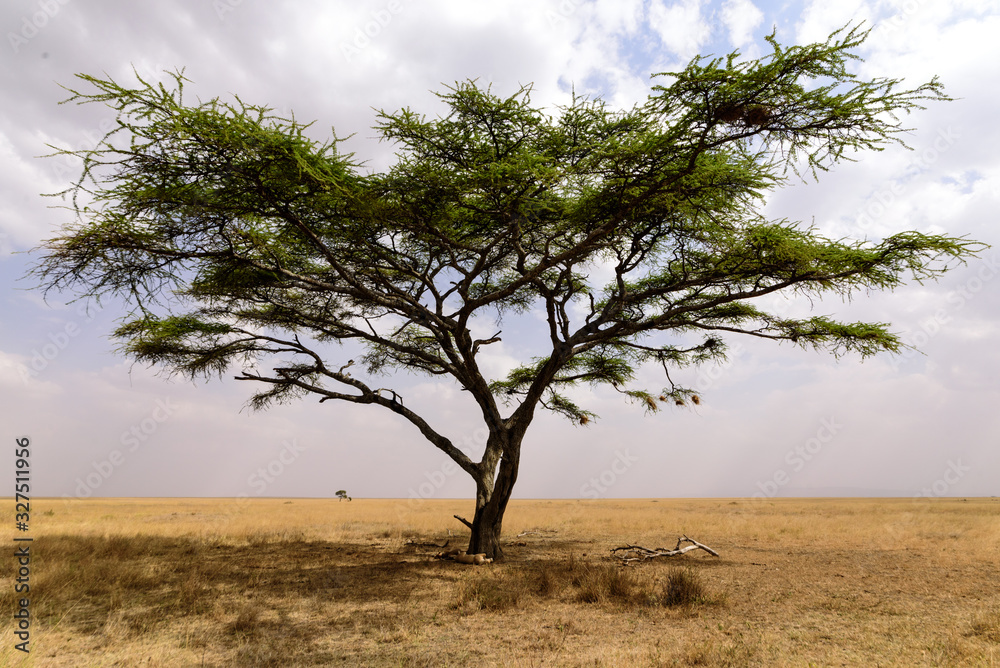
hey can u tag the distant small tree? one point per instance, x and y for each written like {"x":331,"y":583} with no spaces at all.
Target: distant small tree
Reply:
{"x":342,"y":494}
{"x":237,"y":240}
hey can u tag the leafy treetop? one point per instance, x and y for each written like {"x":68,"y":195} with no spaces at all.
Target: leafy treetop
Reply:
{"x":236,"y":237}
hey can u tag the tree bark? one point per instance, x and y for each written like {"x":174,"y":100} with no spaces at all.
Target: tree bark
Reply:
{"x":488,"y":521}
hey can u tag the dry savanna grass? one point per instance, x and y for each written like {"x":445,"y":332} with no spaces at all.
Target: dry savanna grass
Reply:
{"x":271,"y":582}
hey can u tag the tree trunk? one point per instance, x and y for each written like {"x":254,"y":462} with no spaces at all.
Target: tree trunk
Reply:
{"x":488,"y":521}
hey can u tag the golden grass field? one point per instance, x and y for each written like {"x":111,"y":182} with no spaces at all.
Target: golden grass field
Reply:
{"x":272,"y":582}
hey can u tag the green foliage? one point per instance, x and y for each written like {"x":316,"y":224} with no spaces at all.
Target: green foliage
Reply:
{"x":237,"y":238}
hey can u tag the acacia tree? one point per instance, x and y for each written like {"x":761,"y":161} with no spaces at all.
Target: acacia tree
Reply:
{"x":239,"y":242}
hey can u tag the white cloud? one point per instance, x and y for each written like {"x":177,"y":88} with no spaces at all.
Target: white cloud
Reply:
{"x":24,"y":182}
{"x":682,"y":27}
{"x":290,"y":56}
{"x":820,"y":18}
{"x":619,"y":16}
{"x":741,"y":18}
{"x":17,"y":378}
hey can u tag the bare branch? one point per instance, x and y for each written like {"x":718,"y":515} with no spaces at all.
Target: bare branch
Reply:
{"x":483,"y":342}
{"x":633,"y":553}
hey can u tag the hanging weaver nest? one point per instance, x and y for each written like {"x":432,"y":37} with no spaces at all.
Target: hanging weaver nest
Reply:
{"x":752,"y":115}
{"x":756,"y":115}
{"x":729,"y":113}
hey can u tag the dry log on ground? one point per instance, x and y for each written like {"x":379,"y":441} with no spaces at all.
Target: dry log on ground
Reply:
{"x":537,"y":532}
{"x":632,"y":553}
{"x":415,"y":543}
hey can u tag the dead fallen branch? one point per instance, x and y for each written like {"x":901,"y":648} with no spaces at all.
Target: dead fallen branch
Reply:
{"x":537,"y":532}
{"x":631,"y":553}
{"x":415,"y":543}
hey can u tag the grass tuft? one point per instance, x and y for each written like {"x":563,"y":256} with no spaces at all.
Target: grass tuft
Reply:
{"x":986,"y":626}
{"x":246,"y":624}
{"x":606,"y":583}
{"x":492,"y":591}
{"x":683,"y":587}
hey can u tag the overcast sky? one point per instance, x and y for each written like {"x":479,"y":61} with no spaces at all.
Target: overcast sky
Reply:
{"x":775,"y":421}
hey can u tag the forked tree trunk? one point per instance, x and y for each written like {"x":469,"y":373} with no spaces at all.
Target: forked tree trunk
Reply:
{"x":488,"y":521}
{"x":504,"y":448}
